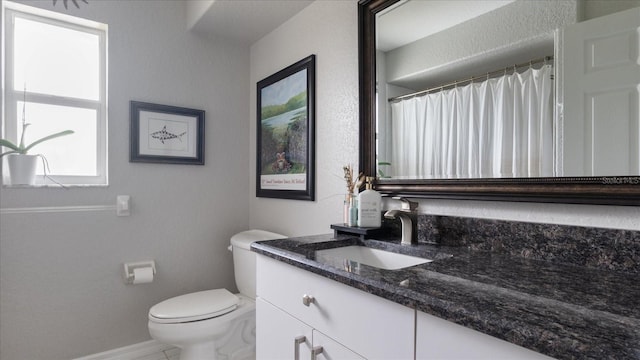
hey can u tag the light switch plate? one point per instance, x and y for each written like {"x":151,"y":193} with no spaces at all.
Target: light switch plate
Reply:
{"x":123,"y":205}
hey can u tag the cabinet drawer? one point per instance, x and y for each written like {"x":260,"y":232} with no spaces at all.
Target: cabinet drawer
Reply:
{"x":371,"y":326}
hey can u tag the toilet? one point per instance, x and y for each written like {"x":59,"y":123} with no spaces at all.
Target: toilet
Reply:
{"x":215,"y":324}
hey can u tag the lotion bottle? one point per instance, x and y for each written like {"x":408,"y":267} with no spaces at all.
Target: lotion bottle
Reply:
{"x":369,"y":206}
{"x":353,"y":211}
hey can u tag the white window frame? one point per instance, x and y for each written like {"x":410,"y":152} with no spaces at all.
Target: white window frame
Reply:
{"x":12,"y":127}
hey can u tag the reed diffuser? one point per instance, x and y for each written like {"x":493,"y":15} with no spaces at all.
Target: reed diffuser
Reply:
{"x":350,"y":210}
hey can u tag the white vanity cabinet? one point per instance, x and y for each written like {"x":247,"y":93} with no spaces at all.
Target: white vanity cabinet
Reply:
{"x":444,"y":340}
{"x":294,"y":304}
{"x":346,"y":322}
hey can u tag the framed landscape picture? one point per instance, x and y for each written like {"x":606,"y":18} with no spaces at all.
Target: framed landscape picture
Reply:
{"x":286,"y":133}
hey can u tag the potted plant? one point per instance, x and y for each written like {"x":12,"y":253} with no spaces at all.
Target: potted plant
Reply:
{"x":22,"y":166}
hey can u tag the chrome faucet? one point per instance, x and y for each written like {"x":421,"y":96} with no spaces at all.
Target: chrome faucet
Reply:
{"x":408,"y":216}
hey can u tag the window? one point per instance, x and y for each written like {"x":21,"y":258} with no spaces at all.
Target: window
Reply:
{"x":56,"y":73}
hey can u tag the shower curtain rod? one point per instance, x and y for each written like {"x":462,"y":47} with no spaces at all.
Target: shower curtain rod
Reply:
{"x":471,"y":79}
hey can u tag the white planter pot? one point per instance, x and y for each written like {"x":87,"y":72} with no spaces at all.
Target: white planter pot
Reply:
{"x":22,"y":169}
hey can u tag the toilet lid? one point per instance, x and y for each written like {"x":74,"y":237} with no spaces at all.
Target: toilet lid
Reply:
{"x":195,"y":306}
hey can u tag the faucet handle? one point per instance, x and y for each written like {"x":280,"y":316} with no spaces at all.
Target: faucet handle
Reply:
{"x":406,"y":203}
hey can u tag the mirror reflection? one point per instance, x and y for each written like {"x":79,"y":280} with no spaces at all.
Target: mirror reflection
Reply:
{"x":507,"y":88}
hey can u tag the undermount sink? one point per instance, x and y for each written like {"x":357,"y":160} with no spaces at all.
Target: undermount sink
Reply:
{"x":373,"y":257}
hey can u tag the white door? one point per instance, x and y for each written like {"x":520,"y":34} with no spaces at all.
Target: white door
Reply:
{"x":280,"y":336}
{"x":600,"y":68}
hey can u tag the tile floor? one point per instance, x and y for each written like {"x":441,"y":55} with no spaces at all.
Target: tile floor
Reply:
{"x":168,"y":354}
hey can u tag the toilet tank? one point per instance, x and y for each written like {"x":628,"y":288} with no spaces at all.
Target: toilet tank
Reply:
{"x":244,"y":260}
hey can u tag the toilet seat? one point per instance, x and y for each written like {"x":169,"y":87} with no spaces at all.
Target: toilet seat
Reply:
{"x":194,"y":307}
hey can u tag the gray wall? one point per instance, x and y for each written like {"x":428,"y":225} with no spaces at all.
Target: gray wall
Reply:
{"x":327,"y":28}
{"x":62,"y":293}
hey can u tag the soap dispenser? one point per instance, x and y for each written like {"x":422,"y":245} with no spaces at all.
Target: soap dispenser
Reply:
{"x":369,"y":206}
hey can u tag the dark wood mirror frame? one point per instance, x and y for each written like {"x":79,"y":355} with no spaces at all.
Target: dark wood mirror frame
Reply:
{"x":618,"y":190}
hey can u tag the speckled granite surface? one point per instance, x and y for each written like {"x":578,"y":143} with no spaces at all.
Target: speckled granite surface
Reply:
{"x":562,"y":310}
{"x":609,"y":249}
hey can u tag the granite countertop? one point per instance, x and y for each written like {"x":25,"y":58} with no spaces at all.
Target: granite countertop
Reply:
{"x":564,"y":311}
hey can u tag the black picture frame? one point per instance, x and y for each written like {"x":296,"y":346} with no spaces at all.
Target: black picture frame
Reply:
{"x":285,"y":135}
{"x":166,"y":134}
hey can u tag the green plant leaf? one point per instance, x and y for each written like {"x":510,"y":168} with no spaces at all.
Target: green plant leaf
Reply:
{"x":52,"y":136}
{"x":14,"y":148}
{"x":9,"y":144}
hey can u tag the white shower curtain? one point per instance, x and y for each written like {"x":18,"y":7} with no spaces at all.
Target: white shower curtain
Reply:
{"x":501,"y":127}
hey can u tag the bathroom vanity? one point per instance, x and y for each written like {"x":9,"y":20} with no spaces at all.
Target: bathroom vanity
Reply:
{"x":465,"y":303}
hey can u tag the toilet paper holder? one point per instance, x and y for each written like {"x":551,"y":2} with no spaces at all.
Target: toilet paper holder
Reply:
{"x":130,"y":267}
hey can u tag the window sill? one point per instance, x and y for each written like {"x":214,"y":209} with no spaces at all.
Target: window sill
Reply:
{"x":64,"y":186}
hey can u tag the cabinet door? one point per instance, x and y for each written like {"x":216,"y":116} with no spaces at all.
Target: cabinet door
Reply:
{"x":440,"y":339}
{"x":332,"y":350}
{"x":279,"y":335}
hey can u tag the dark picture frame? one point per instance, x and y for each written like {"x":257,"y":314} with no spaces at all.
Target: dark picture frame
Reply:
{"x":166,"y":134}
{"x":285,"y":159}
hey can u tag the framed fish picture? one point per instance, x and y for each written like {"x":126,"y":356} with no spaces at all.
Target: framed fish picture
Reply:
{"x":286,"y":133}
{"x":166,"y":134}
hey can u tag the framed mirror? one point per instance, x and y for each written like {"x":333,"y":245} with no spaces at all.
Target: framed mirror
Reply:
{"x":562,"y":184}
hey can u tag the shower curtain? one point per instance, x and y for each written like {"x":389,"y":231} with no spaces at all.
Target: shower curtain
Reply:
{"x":501,"y":127}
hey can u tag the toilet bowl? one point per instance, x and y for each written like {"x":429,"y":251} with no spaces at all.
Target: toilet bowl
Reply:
{"x":214,"y":324}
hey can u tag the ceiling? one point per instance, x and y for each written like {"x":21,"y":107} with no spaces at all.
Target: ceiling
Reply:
{"x":247,"y":21}
{"x":244,"y":21}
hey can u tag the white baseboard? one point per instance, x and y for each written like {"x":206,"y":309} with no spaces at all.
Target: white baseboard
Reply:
{"x":131,"y":352}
